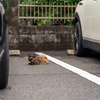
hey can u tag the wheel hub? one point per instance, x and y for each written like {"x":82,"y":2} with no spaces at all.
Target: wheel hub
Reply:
{"x":76,"y":38}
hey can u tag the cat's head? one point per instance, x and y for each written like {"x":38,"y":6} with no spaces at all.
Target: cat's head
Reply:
{"x":31,"y":57}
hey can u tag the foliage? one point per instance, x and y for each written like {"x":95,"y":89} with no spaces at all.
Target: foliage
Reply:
{"x":48,"y":2}
{"x":5,"y":3}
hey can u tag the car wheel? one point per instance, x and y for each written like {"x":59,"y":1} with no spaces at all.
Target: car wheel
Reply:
{"x":77,"y":45}
{"x":4,"y":65}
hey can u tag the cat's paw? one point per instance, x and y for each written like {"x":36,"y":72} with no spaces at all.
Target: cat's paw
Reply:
{"x":30,"y":63}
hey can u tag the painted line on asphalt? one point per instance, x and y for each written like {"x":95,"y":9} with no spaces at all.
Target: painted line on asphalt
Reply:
{"x":78,"y":71}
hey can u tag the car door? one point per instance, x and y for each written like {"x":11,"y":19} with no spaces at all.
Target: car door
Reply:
{"x":85,"y":17}
{"x":95,"y":20}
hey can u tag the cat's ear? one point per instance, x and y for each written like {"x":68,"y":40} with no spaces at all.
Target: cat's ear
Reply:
{"x":29,"y":55}
{"x":34,"y":55}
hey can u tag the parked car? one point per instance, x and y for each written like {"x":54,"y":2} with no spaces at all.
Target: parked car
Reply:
{"x":87,"y":27}
{"x":4,"y":55}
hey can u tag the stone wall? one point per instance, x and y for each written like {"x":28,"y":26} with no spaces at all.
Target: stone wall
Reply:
{"x":36,"y":38}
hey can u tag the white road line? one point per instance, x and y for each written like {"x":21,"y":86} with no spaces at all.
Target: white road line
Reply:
{"x":78,"y":71}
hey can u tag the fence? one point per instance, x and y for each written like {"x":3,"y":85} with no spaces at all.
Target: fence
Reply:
{"x":27,"y":12}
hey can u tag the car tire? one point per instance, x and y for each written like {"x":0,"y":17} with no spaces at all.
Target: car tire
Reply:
{"x":4,"y":65}
{"x":77,"y":45}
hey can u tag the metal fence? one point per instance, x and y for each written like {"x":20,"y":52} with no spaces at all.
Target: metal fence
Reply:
{"x":27,"y":11}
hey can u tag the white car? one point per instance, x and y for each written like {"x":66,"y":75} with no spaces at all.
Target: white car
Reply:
{"x":87,"y":27}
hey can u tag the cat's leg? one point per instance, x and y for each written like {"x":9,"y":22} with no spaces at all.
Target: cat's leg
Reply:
{"x":30,"y":63}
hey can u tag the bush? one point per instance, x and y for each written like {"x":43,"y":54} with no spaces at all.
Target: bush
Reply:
{"x":51,"y":2}
{"x":5,"y":3}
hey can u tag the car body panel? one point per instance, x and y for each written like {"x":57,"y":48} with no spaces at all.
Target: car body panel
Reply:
{"x":95,"y":20}
{"x":89,"y":17}
{"x":84,"y":12}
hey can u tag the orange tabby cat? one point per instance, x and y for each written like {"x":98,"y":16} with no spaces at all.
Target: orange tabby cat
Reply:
{"x":37,"y":60}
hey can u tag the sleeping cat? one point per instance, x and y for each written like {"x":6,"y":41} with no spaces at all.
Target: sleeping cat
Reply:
{"x":37,"y":60}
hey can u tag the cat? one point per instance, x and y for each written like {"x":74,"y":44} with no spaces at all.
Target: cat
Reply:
{"x":37,"y":60}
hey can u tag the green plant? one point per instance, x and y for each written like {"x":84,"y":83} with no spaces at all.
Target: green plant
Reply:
{"x":5,"y":3}
{"x":48,"y":2}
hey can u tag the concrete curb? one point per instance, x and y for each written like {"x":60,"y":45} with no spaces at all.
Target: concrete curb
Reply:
{"x":14,"y":52}
{"x":70,"y":52}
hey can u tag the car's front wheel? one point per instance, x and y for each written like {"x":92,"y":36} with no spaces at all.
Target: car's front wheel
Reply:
{"x":77,"y":45}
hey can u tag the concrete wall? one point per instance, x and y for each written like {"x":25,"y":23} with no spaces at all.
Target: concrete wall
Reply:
{"x":36,"y":38}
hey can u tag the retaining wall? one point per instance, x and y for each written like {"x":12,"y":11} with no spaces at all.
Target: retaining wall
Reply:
{"x":36,"y":38}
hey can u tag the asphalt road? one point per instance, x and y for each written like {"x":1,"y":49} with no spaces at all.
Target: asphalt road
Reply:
{"x":51,"y":81}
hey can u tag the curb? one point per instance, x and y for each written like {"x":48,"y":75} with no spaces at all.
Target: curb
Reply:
{"x":14,"y":52}
{"x":70,"y":52}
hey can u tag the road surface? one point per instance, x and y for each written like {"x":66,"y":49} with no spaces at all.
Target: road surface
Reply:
{"x":52,"y":81}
